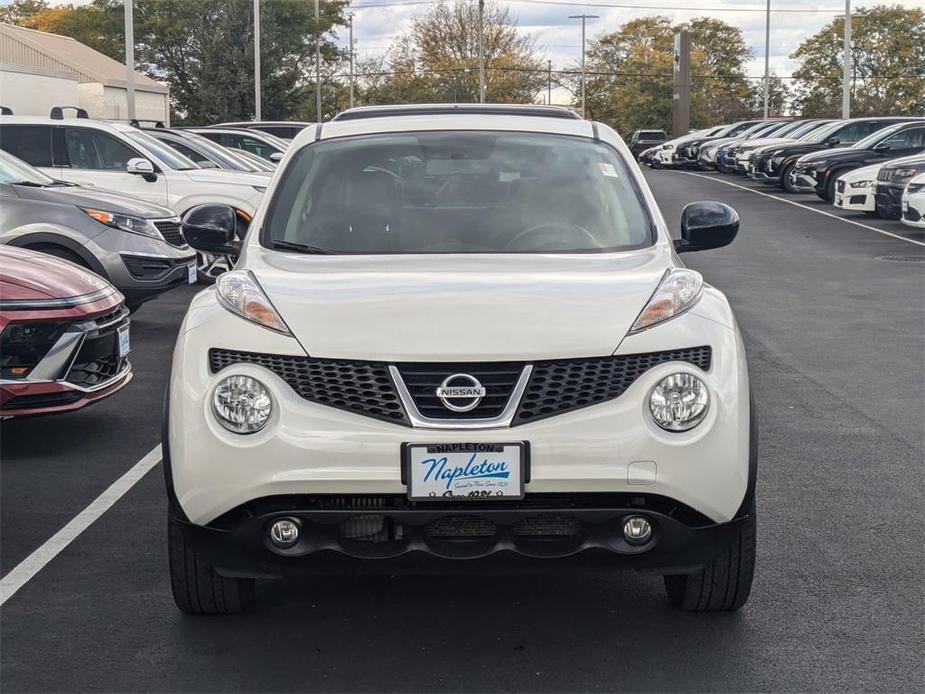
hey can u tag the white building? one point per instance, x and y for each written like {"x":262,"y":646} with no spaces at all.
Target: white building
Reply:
{"x":39,"y":70}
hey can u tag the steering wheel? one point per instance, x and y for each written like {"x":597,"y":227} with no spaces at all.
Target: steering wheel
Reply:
{"x":553,"y":231}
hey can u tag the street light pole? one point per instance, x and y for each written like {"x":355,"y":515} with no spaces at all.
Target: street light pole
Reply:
{"x":257,"y":106}
{"x":583,"y":18}
{"x":350,"y":25}
{"x":481,"y":51}
{"x":846,"y":76}
{"x":767,"y":59}
{"x":129,"y":59}
{"x":317,"y":61}
{"x":548,"y":82}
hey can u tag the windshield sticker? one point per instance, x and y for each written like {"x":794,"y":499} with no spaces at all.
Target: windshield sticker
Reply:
{"x":607,"y":169}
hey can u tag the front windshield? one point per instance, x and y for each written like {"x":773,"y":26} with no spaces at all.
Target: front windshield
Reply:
{"x":14,"y":170}
{"x":876,"y":137}
{"x":211,"y":151}
{"x":458,"y":192}
{"x":785,"y":130}
{"x":170,"y":157}
{"x":806,"y":129}
{"x":822,"y":133}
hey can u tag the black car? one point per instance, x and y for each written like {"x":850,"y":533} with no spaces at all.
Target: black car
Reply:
{"x":818,"y":171}
{"x":642,"y":140}
{"x":892,"y":180}
{"x":775,"y":164}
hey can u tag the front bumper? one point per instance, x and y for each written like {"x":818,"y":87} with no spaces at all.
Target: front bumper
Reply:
{"x":803,"y":180}
{"x":914,"y":211}
{"x":853,"y":199}
{"x":340,"y":532}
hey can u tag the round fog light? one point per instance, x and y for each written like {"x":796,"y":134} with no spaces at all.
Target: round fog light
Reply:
{"x":679,"y":402}
{"x":284,"y":532}
{"x":241,"y":404}
{"x":637,"y":530}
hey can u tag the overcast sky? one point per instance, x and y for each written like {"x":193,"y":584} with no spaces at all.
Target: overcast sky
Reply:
{"x":560,"y":38}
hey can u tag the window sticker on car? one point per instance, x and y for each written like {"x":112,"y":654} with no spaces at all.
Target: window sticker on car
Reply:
{"x":607,"y":169}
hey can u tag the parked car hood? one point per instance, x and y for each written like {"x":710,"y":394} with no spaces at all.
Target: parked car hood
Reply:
{"x":26,"y":274}
{"x":764,"y":142}
{"x":837,"y":152}
{"x":95,"y":198}
{"x":242,"y":178}
{"x":862,"y":174}
{"x":459,"y":307}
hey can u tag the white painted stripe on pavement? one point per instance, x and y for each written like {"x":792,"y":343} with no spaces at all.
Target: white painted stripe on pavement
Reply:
{"x":23,"y":572}
{"x":805,"y":207}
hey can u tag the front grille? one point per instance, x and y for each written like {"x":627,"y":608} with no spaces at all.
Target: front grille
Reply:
{"x":461,"y":528}
{"x":363,"y":387}
{"x":884,"y":174}
{"x":857,"y":199}
{"x":145,"y":268}
{"x":912,"y":215}
{"x":366,"y":388}
{"x":422,"y":381}
{"x":560,"y":386}
{"x":41,"y":400}
{"x":170,"y":230}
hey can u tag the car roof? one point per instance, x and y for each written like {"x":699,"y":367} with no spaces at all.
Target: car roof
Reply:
{"x":255,"y":123}
{"x":364,"y":112}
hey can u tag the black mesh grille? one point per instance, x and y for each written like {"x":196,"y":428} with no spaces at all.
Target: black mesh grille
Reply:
{"x":367,"y":388}
{"x":884,"y":174}
{"x":558,"y":386}
{"x":144,"y":268}
{"x":171,"y":232}
{"x":358,"y":386}
{"x":498,"y":379}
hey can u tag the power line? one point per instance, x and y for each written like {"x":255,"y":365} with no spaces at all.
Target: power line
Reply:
{"x":624,"y":6}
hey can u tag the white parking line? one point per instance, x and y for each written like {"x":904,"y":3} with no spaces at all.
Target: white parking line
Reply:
{"x":23,"y":572}
{"x":805,"y":207}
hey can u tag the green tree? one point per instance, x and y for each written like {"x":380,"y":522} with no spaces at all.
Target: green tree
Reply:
{"x":18,"y":11}
{"x":99,"y":25}
{"x":888,"y":58}
{"x":437,"y":60}
{"x":630,"y":74}
{"x":778,"y":96}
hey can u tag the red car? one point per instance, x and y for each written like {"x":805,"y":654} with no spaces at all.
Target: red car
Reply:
{"x":64,"y":335}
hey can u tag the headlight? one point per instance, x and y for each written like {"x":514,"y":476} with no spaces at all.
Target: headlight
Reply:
{"x":136,"y":225}
{"x":680,"y":289}
{"x":915,"y":187}
{"x":241,"y":404}
{"x":901,"y":174}
{"x":679,"y":402}
{"x":861,"y":184}
{"x":239,"y":292}
{"x":667,"y":146}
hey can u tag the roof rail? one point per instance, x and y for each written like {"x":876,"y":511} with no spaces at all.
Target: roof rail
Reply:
{"x":6,"y":111}
{"x":534,"y":111}
{"x":57,"y":113}
{"x":136,"y":122}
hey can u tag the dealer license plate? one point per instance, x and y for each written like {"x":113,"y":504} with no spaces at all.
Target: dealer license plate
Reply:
{"x":465,"y":471}
{"x":191,"y":274}
{"x":125,"y":345}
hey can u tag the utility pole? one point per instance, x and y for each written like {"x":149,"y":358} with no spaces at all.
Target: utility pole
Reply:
{"x":681,"y":99}
{"x":257,"y":109}
{"x":129,"y":59}
{"x":583,"y":18}
{"x":767,"y":59}
{"x":317,"y":61}
{"x":846,"y":76}
{"x":548,"y":82}
{"x":350,"y":25}
{"x":481,"y":51}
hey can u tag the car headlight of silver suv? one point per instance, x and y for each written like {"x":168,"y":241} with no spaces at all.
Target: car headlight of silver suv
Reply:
{"x":679,"y":402}
{"x":124,"y":222}
{"x":241,"y":404}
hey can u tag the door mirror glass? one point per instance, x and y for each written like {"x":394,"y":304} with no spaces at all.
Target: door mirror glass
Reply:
{"x":139,"y":166}
{"x":832,"y":141}
{"x":706,"y":225}
{"x":276,"y":157}
{"x":211,"y":229}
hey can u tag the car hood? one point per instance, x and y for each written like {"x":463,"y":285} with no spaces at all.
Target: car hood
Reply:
{"x":96,"y":198}
{"x":243,"y":178}
{"x":764,"y":142}
{"x":26,"y":274}
{"x":864,"y":173}
{"x":836,"y":153}
{"x":459,"y":307}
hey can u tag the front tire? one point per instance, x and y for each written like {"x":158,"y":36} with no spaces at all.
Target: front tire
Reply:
{"x":724,"y":584}
{"x":197,"y":587}
{"x":785,"y":179}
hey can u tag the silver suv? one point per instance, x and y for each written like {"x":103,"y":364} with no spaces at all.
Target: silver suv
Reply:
{"x":135,"y":245}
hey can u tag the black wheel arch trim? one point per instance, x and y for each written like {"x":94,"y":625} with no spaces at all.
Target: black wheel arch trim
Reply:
{"x":46,"y":238}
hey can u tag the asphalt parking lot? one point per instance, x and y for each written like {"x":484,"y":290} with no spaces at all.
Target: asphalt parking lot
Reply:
{"x":831,"y":306}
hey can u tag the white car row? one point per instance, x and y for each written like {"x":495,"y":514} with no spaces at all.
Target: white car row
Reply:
{"x":856,"y":192}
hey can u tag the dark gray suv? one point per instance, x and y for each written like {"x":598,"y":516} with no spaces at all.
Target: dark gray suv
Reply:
{"x":135,"y":245}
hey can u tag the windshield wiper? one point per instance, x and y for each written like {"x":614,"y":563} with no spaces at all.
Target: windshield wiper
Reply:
{"x":302,"y":247}
{"x":31,"y":184}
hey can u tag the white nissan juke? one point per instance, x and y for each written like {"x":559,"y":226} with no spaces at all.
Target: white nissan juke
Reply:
{"x":459,"y":336}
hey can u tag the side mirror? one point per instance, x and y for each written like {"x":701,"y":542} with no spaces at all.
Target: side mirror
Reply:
{"x":211,"y":229}
{"x":276,"y":157}
{"x":883,"y":147}
{"x":832,"y":141}
{"x":706,"y":225}
{"x":140,"y":167}
{"x":206,"y":164}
